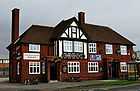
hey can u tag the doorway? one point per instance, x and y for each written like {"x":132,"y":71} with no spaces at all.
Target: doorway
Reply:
{"x":53,"y":71}
{"x":113,"y":70}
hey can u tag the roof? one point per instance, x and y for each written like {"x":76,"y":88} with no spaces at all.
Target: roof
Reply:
{"x":43,"y":34}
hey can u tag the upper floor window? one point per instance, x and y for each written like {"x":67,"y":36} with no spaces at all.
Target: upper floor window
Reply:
{"x":78,"y":46}
{"x":72,"y":46}
{"x":123,"y":50}
{"x":67,"y":46}
{"x":73,"y":67}
{"x":34,"y":47}
{"x":92,"y":47}
{"x":93,"y":67}
{"x":109,"y":49}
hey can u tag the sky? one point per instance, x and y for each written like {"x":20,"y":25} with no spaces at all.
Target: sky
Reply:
{"x":121,"y":15}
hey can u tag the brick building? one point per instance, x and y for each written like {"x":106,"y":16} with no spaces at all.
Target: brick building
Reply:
{"x":4,"y":67}
{"x":72,"y":50}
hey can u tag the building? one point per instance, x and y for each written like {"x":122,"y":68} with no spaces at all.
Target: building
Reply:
{"x":4,"y":67}
{"x":72,"y":50}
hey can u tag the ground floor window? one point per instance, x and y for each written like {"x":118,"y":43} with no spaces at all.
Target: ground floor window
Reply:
{"x":93,"y":67}
{"x":123,"y":66}
{"x":34,"y":67}
{"x":73,"y":67}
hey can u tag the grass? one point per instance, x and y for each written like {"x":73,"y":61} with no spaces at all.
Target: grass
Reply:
{"x":106,"y":84}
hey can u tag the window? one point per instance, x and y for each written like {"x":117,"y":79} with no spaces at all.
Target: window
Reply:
{"x":18,"y":68}
{"x":34,"y":47}
{"x":93,"y":67}
{"x":72,"y":46}
{"x":34,"y":67}
{"x":73,"y":67}
{"x":123,"y":66}
{"x":43,"y":68}
{"x":123,"y":50}
{"x":67,"y":46}
{"x":78,"y":46}
{"x":109,"y":49}
{"x":92,"y":47}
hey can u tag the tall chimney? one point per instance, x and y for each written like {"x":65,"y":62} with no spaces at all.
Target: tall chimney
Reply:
{"x":81,"y":17}
{"x":15,"y":24}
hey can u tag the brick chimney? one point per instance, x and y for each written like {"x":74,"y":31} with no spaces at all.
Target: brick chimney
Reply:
{"x":81,"y":17}
{"x":15,"y":24}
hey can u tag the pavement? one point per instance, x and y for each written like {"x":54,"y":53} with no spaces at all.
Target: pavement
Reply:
{"x":64,"y":86}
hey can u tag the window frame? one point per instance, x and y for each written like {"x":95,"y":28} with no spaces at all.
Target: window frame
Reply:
{"x":108,"y":48}
{"x":71,"y":66}
{"x":95,"y":66}
{"x":77,"y":46}
{"x":35,"y":65}
{"x":92,"y":47}
{"x":34,"y":47}
{"x":67,"y":46}
{"x":122,"y":66}
{"x":123,"y":50}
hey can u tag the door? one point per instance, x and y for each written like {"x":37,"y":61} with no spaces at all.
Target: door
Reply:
{"x":113,"y":70}
{"x":53,"y":71}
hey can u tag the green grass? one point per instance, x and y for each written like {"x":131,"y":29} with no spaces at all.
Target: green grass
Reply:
{"x":106,"y":83}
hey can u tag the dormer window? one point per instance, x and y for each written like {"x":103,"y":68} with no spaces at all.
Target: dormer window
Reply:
{"x":109,"y":49}
{"x":34,"y":47}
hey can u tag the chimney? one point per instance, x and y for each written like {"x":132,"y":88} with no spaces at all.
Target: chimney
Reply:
{"x":15,"y":24}
{"x":81,"y":17}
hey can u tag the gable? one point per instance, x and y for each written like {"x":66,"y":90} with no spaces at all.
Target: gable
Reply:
{"x":73,"y":31}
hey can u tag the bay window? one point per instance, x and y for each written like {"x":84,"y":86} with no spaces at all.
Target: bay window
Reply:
{"x":73,"y":67}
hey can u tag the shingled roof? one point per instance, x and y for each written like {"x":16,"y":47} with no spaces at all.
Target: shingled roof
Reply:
{"x":96,"y":33}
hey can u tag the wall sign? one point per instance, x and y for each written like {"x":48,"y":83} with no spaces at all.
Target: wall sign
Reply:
{"x":31,"y":56}
{"x":94,"y":57}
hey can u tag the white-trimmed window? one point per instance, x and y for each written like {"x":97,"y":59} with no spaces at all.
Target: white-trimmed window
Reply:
{"x":73,"y":67}
{"x":123,"y":50}
{"x":93,"y":67}
{"x":43,"y":68}
{"x":109,"y":49}
{"x":34,"y":47}
{"x":67,"y":46}
{"x":78,"y":46}
{"x":34,"y":67}
{"x":92,"y":47}
{"x":123,"y":66}
{"x":18,"y":68}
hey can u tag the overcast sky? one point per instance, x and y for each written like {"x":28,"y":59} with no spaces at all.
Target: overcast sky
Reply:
{"x":121,"y":15}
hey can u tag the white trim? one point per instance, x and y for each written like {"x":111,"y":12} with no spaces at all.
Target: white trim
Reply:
{"x":92,"y":48}
{"x":109,"y":49}
{"x":60,"y":48}
{"x":34,"y":47}
{"x":93,"y":67}
{"x":85,"y":50}
{"x":18,"y":72}
{"x":73,"y":24}
{"x":123,"y":66}
{"x":72,"y":66}
{"x":34,"y":65}
{"x":123,"y":50}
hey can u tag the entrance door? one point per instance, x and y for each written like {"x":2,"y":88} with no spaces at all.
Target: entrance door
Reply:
{"x":113,"y":70}
{"x":53,"y":71}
